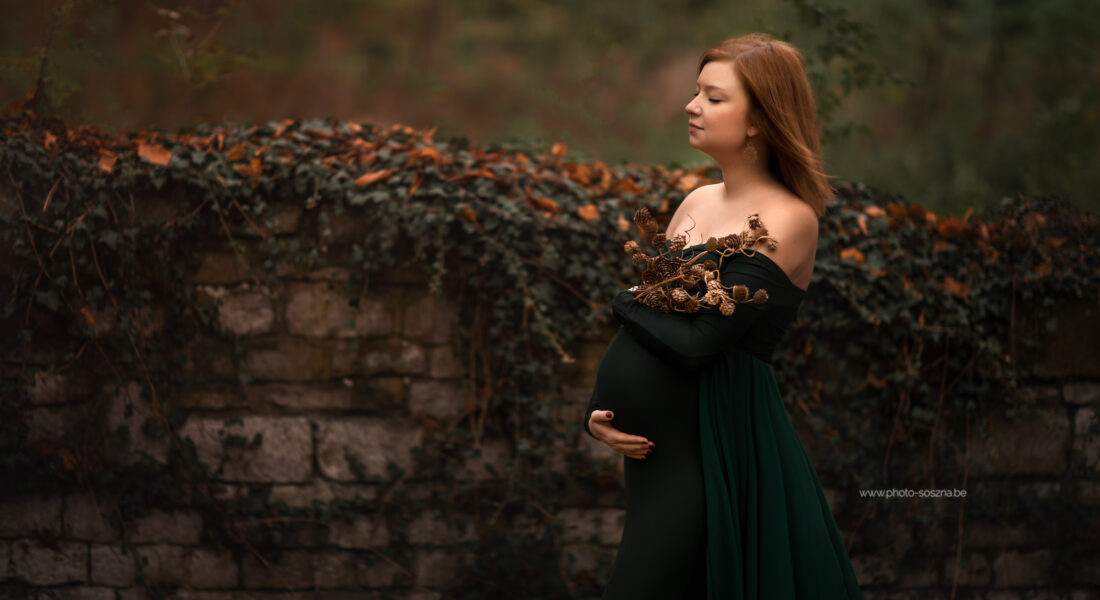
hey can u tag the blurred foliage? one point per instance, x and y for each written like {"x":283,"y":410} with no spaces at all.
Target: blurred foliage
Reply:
{"x":947,"y":103}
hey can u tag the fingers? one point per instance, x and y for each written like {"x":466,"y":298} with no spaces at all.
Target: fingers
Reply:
{"x":602,"y":415}
{"x":639,"y":452}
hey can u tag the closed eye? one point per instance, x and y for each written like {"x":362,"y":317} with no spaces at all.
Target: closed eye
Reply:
{"x":694,"y":94}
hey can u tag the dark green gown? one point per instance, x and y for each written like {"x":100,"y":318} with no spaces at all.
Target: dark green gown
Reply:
{"x":728,"y":505}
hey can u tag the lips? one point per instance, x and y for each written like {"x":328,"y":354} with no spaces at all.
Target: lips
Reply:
{"x":694,"y":126}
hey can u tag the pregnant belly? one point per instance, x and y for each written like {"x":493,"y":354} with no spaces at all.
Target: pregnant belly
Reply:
{"x":648,"y":396}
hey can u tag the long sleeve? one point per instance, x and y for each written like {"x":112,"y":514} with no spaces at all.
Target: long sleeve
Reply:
{"x":692,"y":340}
{"x":593,"y":405}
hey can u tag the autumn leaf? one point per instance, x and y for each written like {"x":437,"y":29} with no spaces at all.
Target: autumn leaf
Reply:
{"x":955,"y":287}
{"x":558,"y":149}
{"x":624,"y":225}
{"x":237,"y":152}
{"x":874,"y":211}
{"x":467,"y":214}
{"x":690,"y":181}
{"x":1033,"y":222}
{"x":862,"y":223}
{"x":853,"y":253}
{"x":253,"y":169}
{"x":85,"y":317}
{"x":369,"y":178}
{"x":285,"y":156}
{"x":542,"y":202}
{"x":588,"y":212}
{"x":154,"y":153}
{"x":107,"y":161}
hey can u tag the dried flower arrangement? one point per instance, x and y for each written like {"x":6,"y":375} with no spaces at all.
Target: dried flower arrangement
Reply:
{"x":673,"y":284}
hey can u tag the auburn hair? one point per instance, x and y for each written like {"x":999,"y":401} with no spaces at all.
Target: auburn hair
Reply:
{"x":781,"y":106}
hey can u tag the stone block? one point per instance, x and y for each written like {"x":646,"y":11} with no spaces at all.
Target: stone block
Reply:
{"x":1086,"y":432}
{"x":321,"y":490}
{"x":212,"y":398}
{"x":431,"y":527}
{"x":493,"y":452}
{"x":444,"y":363}
{"x":48,"y":388}
{"x":86,"y":517}
{"x":440,"y":400}
{"x":439,"y":567}
{"x":278,"y":219}
{"x":363,"y":532}
{"x":594,"y":525}
{"x":245,"y":313}
{"x":343,"y":570}
{"x":1081,"y":392}
{"x":973,"y":570}
{"x":1037,"y":445}
{"x":301,"y":397}
{"x":283,"y":455}
{"x":223,"y":266}
{"x":873,"y":570}
{"x":425,"y":318}
{"x":55,"y":563}
{"x":30,"y":514}
{"x":128,"y":407}
{"x":207,"y":360}
{"x":296,"y":360}
{"x":314,"y":310}
{"x":1088,"y":492}
{"x":395,"y":356}
{"x":345,"y":445}
{"x":1021,"y":569}
{"x":76,"y":592}
{"x":197,"y":568}
{"x":113,"y":565}
{"x":51,"y":424}
{"x":182,"y":527}
{"x":292,"y":569}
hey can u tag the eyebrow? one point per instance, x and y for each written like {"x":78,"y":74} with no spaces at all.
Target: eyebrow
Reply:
{"x":710,"y":87}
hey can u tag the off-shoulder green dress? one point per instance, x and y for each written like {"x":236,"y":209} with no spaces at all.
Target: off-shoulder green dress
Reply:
{"x":728,"y":505}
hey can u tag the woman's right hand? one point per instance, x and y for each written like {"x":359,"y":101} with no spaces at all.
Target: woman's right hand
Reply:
{"x":634,"y":446}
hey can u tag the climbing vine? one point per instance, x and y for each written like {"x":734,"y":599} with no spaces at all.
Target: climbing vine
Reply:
{"x":903,"y":349}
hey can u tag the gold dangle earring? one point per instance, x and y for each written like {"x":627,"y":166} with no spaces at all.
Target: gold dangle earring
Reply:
{"x":750,"y":152}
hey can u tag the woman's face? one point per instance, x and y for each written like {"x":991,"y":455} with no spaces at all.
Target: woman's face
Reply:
{"x":720,"y":109}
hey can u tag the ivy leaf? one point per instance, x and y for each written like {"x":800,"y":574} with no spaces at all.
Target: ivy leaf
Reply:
{"x":110,"y":239}
{"x":48,"y":298}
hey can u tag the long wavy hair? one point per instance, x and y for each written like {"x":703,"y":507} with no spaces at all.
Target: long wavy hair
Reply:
{"x":781,"y":106}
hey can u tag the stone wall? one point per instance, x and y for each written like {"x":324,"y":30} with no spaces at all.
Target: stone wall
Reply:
{"x":339,"y":392}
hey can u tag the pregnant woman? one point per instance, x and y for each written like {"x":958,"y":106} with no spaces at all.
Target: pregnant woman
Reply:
{"x":722,"y":501}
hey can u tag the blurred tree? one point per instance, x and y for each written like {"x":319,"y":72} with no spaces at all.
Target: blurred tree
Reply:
{"x":950,"y":103}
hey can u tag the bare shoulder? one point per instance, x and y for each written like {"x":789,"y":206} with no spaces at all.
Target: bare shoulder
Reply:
{"x":799,"y":220}
{"x":794,"y":224}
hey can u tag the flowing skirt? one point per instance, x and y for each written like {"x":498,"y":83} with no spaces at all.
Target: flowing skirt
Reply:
{"x":769,"y":530}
